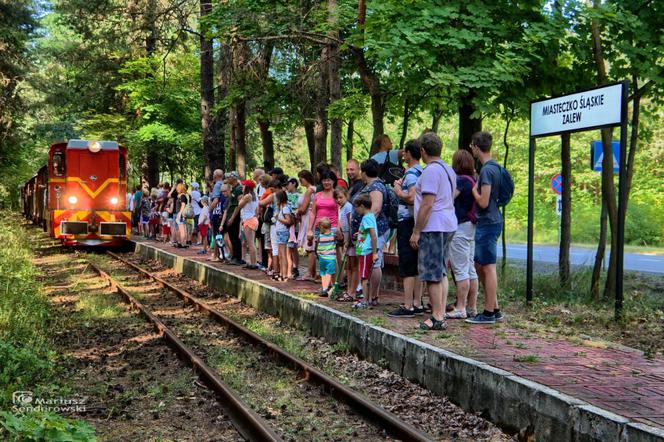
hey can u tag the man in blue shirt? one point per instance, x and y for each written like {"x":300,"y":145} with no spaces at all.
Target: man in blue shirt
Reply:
{"x":489,"y":227}
{"x":405,"y":191}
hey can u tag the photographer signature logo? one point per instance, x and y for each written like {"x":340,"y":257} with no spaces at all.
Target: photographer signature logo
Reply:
{"x":26,"y":401}
{"x":21,"y":398}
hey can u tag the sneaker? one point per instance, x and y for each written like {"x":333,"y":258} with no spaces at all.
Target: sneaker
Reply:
{"x":360,"y":304}
{"x":456,"y":314}
{"x":419,"y":311}
{"x":323,"y":293}
{"x":471,"y":312}
{"x":481,"y":319}
{"x":498,"y":316}
{"x":402,"y":312}
{"x":296,"y":272}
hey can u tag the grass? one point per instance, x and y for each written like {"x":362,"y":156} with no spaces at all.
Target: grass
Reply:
{"x":527,"y":359}
{"x":26,"y":359}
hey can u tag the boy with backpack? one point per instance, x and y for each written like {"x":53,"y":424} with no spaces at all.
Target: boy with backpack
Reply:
{"x":493,"y":190}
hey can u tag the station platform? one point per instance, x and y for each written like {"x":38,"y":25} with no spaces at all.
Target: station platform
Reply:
{"x":586,"y":390}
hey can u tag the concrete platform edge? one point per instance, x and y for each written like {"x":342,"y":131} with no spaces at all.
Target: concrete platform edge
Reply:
{"x":512,"y":402}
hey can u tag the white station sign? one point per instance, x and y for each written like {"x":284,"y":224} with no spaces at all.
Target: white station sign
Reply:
{"x":583,"y":110}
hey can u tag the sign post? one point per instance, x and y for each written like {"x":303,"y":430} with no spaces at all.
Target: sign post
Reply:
{"x":597,"y":108}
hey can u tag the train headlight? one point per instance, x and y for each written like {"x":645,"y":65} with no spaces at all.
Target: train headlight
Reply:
{"x":72,"y":199}
{"x":94,"y":146}
{"x":114,"y":200}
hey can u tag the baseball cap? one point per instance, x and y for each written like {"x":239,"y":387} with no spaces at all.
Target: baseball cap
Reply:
{"x":232,"y":174}
{"x":248,"y":183}
{"x":194,"y":185}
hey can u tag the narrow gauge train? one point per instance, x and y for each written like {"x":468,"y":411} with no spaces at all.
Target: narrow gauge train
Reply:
{"x":80,"y":195}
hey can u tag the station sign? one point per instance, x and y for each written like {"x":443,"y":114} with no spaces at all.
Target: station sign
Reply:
{"x":594,"y":108}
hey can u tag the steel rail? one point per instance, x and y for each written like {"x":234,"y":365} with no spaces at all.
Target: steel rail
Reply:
{"x":381,"y":417}
{"x":248,"y":423}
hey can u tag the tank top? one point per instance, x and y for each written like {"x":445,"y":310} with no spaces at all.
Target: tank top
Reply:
{"x":326,"y":208}
{"x":249,"y":210}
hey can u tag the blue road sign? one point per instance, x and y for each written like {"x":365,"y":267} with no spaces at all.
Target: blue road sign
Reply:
{"x":597,"y":155}
{"x":557,"y":183}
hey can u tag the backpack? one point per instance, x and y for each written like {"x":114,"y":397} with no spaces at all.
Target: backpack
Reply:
{"x":268,"y":215}
{"x":472,"y":213}
{"x":387,"y":168}
{"x":506,"y":188}
{"x":392,"y":212}
{"x":188,"y":209}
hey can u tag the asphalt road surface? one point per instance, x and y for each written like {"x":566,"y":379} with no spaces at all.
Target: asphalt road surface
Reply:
{"x":582,"y":256}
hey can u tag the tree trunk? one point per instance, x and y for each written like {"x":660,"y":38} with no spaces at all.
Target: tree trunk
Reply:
{"x":151,"y":171}
{"x":240,"y":57}
{"x":634,"y":137}
{"x":467,"y":124}
{"x":264,"y":59}
{"x":608,"y":188}
{"x":322,"y":100}
{"x":334,"y":64}
{"x":218,"y":157}
{"x":436,"y":115}
{"x":599,"y":256}
{"x":370,"y":80}
{"x":349,"y":139}
{"x":268,"y":144}
{"x":566,"y":216}
{"x":505,"y":158}
{"x":210,"y":147}
{"x":232,"y":139}
{"x":404,"y":123}
{"x":310,"y":134}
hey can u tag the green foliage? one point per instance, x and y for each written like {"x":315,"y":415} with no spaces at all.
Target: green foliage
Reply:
{"x":39,"y":427}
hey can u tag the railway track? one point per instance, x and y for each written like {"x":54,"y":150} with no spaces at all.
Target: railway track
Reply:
{"x":249,"y":423}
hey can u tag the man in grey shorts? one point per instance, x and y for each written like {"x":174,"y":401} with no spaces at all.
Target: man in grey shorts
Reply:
{"x":435,"y":222}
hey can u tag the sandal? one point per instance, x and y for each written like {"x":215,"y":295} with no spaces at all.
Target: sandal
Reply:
{"x":345,"y":297}
{"x":374,"y":302}
{"x":275,"y":277}
{"x":435,"y":324}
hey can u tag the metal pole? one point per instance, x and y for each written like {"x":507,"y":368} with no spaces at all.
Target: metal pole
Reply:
{"x":622,"y":203}
{"x":531,"y":208}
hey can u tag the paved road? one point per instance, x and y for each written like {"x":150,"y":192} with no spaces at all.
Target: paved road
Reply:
{"x":582,"y":256}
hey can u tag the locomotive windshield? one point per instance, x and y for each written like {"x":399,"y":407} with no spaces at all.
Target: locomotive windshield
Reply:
{"x":58,"y":163}
{"x":122,"y":165}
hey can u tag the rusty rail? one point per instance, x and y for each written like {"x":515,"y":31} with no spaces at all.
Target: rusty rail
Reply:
{"x":248,"y":423}
{"x":381,"y":417}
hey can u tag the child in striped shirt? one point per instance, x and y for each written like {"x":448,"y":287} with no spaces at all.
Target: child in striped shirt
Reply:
{"x":327,"y":254}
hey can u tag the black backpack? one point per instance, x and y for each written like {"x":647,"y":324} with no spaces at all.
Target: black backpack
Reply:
{"x":506,"y":189}
{"x":392,"y":212}
{"x":389,"y":171}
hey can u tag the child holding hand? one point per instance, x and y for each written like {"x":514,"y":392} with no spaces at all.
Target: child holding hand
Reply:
{"x":204,"y":224}
{"x":367,"y":244}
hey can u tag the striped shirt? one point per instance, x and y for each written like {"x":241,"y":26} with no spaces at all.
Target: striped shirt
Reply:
{"x":327,"y":246}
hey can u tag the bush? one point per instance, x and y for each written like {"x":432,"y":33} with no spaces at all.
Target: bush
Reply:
{"x":44,"y":427}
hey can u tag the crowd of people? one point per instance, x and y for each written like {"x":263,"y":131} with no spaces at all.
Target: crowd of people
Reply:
{"x":439,"y":217}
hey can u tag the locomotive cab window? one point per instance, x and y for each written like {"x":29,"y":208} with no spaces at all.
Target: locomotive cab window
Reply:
{"x":58,"y":163}
{"x":123,"y":165}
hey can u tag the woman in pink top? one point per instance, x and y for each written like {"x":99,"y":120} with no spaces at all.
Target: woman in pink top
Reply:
{"x":325,"y":205}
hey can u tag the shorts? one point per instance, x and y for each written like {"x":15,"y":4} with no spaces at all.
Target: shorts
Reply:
{"x":382,"y":240}
{"x":282,"y":237}
{"x":180,"y":221}
{"x":327,"y":266}
{"x":203,"y":228}
{"x":432,"y":262}
{"x":486,"y":238}
{"x":407,"y":255}
{"x":274,"y":240}
{"x":145,"y":219}
{"x":251,"y":223}
{"x":366,"y":266}
{"x":166,"y":229}
{"x":461,"y":252}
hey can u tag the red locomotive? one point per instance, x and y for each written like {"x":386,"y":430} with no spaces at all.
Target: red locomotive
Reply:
{"x":80,"y":195}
